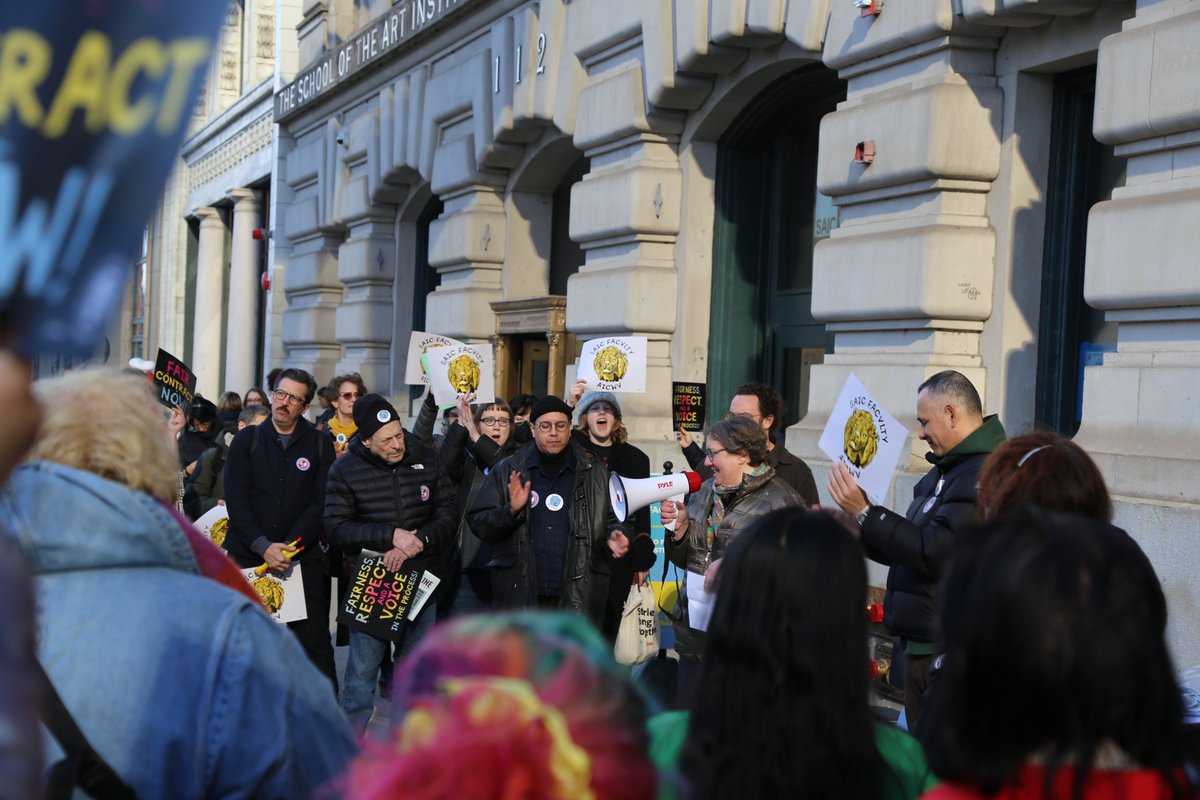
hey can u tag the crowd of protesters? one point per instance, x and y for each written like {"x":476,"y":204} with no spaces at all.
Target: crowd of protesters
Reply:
{"x":1029,"y":630}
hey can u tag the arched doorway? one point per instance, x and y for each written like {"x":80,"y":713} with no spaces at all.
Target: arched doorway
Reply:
{"x":769,"y":216}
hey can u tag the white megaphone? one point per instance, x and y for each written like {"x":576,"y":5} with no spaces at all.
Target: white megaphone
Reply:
{"x":633,"y":494}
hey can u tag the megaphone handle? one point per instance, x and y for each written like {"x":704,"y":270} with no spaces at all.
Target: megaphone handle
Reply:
{"x":679,"y":498}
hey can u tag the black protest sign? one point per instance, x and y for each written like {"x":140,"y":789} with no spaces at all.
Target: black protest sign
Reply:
{"x":96,"y":99}
{"x":687,"y":406}
{"x":379,"y":599}
{"x":174,"y":383}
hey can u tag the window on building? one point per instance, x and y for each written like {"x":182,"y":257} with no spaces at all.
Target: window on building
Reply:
{"x":566,"y":256}
{"x":1071,"y":334}
{"x":769,"y":217}
{"x":425,"y":277}
{"x":137,"y":305}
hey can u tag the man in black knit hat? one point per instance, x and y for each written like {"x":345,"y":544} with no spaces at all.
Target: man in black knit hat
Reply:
{"x":388,"y":494}
{"x":546,"y":511}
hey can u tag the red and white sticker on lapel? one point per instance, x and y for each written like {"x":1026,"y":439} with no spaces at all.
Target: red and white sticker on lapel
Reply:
{"x":424,"y":494}
{"x":533,"y":499}
{"x":303,"y":464}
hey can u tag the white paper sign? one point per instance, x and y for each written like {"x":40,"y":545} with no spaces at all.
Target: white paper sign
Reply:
{"x":283,"y":595}
{"x":214,"y":524}
{"x":864,"y":437}
{"x":418,"y":343}
{"x":462,"y":370}
{"x":700,"y":602}
{"x":429,"y":582}
{"x":614,"y":364}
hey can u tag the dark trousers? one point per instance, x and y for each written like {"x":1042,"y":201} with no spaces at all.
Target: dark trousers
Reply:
{"x":313,"y":632}
{"x":687,"y":677}
{"x":471,"y":593}
{"x":916,"y":682}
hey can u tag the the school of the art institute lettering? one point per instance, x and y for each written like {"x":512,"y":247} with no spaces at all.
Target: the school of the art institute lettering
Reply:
{"x":407,"y":19}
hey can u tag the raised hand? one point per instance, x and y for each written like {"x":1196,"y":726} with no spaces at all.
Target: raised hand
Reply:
{"x":674,"y":511}
{"x":845,"y":491}
{"x":576,"y":391}
{"x":466,"y":417}
{"x":518,"y":492}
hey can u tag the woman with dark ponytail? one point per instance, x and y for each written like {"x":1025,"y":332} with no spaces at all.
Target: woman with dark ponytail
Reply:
{"x":781,"y":707}
{"x":1057,"y":682}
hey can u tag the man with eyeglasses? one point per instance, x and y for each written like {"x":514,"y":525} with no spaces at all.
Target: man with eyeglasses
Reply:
{"x":764,"y":405}
{"x":343,"y":391}
{"x":275,"y":493}
{"x":545,"y":509}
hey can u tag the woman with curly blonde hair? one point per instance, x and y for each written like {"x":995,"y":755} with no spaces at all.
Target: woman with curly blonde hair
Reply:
{"x":153,"y":640}
{"x":132,"y":445}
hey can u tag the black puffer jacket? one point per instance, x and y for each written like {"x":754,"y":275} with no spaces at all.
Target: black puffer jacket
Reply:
{"x":366,"y":499}
{"x":915,"y":545}
{"x":514,"y":576}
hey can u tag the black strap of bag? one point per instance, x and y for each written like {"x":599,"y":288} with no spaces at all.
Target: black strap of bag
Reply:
{"x":668,"y":542}
{"x":83,"y":767}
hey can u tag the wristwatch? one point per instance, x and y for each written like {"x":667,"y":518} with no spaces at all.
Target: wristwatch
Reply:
{"x":862,"y":515}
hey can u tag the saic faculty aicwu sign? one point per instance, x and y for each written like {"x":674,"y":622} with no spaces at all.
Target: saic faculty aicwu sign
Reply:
{"x":384,"y":37}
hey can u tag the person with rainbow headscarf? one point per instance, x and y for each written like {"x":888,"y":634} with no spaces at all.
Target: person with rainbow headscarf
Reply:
{"x":533,"y":702}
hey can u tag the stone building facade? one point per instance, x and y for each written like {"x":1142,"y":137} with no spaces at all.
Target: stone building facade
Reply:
{"x":784,"y":190}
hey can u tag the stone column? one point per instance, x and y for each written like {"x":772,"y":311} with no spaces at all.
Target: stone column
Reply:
{"x":506,"y":379}
{"x":367,"y":268}
{"x":1139,"y":407}
{"x":466,"y":246}
{"x":210,"y":283}
{"x":625,"y":214}
{"x":905,"y":282}
{"x":555,"y":381}
{"x":313,"y":295}
{"x":245,"y":282}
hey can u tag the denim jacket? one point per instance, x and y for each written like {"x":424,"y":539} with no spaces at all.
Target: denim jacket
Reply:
{"x":183,"y":686}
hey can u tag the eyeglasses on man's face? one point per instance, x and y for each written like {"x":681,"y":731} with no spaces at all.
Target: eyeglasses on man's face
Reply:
{"x":495,"y":422}
{"x":288,"y":397}
{"x":545,"y":426}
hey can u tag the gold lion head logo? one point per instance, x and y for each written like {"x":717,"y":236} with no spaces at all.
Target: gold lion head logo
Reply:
{"x":463,"y":374}
{"x":861,"y":440}
{"x":611,"y":364}
{"x":271,"y":592}
{"x":218,"y":530}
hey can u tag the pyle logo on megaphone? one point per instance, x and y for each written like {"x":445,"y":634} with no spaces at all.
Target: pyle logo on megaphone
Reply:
{"x":633,"y":494}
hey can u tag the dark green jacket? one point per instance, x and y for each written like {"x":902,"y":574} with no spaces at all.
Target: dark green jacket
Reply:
{"x":915,"y":545}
